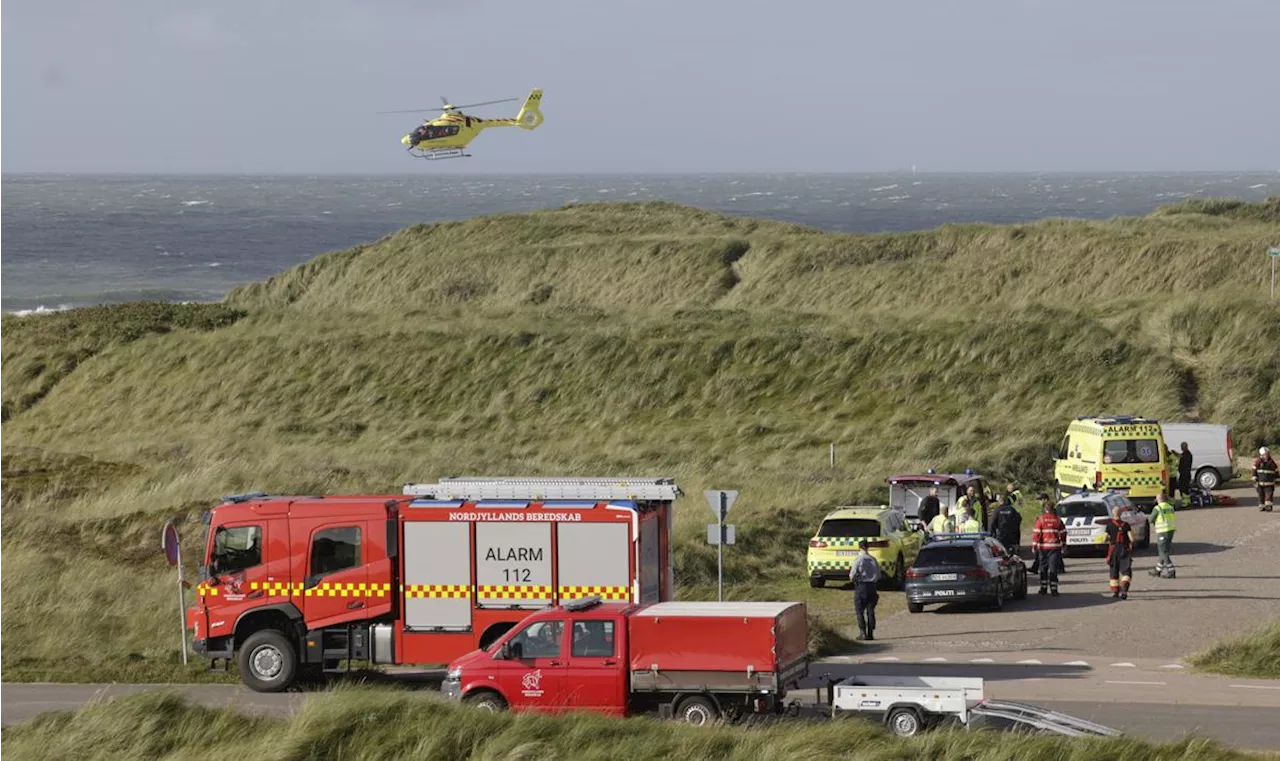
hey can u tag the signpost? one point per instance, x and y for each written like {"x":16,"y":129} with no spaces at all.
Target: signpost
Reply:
{"x":172,"y":546}
{"x":1274,"y":251}
{"x":717,"y":534}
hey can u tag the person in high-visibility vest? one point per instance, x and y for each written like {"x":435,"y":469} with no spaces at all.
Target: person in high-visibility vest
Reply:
{"x":969,"y":524}
{"x":1162,"y":522}
{"x":942,"y":523}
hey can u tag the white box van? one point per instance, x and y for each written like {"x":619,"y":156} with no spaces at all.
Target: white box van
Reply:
{"x":1212,"y":451}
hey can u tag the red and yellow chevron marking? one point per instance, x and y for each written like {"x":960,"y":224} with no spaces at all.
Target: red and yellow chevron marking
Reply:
{"x":503,"y":592}
{"x":206,"y":589}
{"x":605,"y":593}
{"x":325,"y":589}
{"x":436,"y":590}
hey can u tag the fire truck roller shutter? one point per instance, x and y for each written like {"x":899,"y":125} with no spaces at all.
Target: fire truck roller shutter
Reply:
{"x":650,"y":561}
{"x":594,"y":560}
{"x":513,"y":565}
{"x":437,"y":575}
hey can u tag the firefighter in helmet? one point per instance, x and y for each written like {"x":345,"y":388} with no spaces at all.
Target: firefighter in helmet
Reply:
{"x":1119,"y":554}
{"x":1264,"y":479}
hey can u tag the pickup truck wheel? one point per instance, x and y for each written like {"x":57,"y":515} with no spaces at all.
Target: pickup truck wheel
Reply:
{"x":267,"y":661}
{"x":698,"y":711}
{"x":904,"y":722}
{"x":486,"y":700}
{"x":1208,"y":479}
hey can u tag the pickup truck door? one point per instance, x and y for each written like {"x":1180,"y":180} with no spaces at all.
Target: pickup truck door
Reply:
{"x":596,"y":678}
{"x":532,"y":675}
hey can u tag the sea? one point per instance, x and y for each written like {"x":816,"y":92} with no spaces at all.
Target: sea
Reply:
{"x":79,"y":240}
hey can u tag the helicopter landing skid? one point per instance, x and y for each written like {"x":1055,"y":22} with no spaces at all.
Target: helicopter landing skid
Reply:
{"x":439,"y":154}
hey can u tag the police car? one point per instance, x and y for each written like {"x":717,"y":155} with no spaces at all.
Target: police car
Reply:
{"x":1086,"y":513}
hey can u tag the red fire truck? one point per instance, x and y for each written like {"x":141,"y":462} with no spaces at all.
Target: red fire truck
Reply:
{"x":695,"y":661}
{"x":295,"y":584}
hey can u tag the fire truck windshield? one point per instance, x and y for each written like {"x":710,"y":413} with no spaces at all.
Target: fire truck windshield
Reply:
{"x":237,"y":548}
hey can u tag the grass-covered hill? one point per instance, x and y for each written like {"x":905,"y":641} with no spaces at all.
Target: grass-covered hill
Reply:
{"x":367,"y":725}
{"x":605,"y":339}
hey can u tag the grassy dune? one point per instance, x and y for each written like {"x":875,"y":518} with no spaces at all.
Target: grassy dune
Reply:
{"x":355,"y":724}
{"x":646,"y":339}
{"x":1255,"y":653}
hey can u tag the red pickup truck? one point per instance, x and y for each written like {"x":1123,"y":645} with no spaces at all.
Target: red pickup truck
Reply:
{"x":695,"y":661}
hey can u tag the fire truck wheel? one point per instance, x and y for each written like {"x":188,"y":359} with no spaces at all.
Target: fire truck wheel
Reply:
{"x":698,"y":711}
{"x":268,"y":662}
{"x":486,"y":700}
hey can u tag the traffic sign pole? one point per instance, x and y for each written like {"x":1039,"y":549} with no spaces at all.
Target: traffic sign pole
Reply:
{"x":724,"y":510}
{"x":172,"y":546}
{"x":720,"y":502}
{"x":1274,"y":251}
{"x":182,"y":612}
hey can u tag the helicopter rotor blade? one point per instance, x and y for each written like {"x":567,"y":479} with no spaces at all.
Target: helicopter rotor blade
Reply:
{"x":488,"y":103}
{"x":449,"y":107}
{"x":444,"y":101}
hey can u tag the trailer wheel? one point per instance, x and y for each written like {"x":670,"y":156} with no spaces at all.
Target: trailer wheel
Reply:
{"x":698,"y":711}
{"x":267,"y":661}
{"x":486,"y":700}
{"x":905,"y":722}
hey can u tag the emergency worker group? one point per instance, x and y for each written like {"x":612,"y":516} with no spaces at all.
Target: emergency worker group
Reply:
{"x":1049,"y":534}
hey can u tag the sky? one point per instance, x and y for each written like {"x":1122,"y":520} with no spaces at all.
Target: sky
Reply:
{"x":284,"y":86}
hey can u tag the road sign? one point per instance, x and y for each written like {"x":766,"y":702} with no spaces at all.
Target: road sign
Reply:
{"x":717,"y":504}
{"x":713,"y":533}
{"x":1274,"y":251}
{"x":169,"y":543}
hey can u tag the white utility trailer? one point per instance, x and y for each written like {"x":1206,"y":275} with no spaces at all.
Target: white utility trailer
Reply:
{"x":909,"y":704}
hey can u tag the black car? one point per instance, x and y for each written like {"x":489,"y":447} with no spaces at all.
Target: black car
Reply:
{"x":965,"y":568}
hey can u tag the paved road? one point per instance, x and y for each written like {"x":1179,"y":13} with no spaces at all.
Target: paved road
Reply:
{"x":1228,"y":581}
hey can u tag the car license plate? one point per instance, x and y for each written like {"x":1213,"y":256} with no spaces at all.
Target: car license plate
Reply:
{"x":845,"y":553}
{"x":945,"y":576}
{"x":944,"y":593}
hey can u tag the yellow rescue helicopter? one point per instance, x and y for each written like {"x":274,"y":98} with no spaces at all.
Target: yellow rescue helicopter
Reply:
{"x":447,"y":135}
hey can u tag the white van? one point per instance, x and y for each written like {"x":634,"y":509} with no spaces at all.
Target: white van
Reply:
{"x":1212,"y":451}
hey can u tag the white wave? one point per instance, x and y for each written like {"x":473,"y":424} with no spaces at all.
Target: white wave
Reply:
{"x":214,"y":264}
{"x":884,"y":187}
{"x":1259,"y":185}
{"x":41,"y":309}
{"x":195,"y":203}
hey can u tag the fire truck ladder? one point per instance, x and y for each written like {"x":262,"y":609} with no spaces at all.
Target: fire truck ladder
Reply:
{"x":647,"y":489}
{"x":1041,"y":718}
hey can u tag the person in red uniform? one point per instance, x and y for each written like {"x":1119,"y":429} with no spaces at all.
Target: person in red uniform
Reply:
{"x":1264,"y":479}
{"x":1119,"y":554}
{"x":1048,"y":537}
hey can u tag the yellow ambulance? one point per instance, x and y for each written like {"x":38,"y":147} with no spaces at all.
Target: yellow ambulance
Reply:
{"x":1120,"y":453}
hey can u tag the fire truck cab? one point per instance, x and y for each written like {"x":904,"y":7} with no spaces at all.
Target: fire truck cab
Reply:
{"x":293,"y":584}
